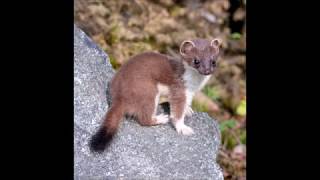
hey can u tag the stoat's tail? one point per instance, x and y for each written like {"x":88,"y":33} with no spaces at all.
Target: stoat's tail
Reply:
{"x":103,"y":137}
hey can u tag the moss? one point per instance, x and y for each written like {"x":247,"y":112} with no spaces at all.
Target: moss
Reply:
{"x":114,"y":35}
{"x":176,"y":11}
{"x":211,"y":92}
{"x":229,"y":140}
{"x":235,"y":36}
{"x":139,"y":47}
{"x":241,"y":109}
{"x":113,"y":62}
{"x":199,"y":107}
{"x":243,"y":136}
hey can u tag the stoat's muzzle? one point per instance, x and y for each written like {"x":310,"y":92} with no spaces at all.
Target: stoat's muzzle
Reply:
{"x":206,"y":66}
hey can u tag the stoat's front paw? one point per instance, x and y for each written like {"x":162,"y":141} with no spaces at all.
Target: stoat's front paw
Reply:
{"x":184,"y":129}
{"x":189,"y":111}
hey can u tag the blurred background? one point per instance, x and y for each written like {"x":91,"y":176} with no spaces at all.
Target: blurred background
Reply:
{"x":123,"y":28}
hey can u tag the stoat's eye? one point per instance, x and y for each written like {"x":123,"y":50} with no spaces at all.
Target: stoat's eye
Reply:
{"x":214,"y":63}
{"x":196,"y":61}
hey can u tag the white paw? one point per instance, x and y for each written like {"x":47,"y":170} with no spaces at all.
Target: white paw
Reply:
{"x":184,"y":129}
{"x":189,"y":111}
{"x":162,"y":118}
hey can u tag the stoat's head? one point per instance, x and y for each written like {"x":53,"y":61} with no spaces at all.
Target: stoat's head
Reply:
{"x":201,"y":54}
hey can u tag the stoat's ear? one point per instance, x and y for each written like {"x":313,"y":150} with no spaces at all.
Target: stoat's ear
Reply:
{"x":216,"y":43}
{"x":186,"y":47}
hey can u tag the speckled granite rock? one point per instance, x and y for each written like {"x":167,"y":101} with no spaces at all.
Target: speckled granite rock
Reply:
{"x":136,"y":152}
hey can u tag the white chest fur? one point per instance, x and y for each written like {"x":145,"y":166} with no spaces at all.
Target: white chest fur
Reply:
{"x":193,"y":80}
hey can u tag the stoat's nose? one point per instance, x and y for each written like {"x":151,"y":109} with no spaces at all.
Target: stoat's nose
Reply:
{"x":207,"y":72}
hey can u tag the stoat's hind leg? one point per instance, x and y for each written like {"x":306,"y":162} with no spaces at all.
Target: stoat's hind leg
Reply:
{"x":146,"y":114}
{"x":161,"y":118}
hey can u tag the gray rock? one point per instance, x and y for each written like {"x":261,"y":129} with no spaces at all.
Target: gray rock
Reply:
{"x":136,"y":152}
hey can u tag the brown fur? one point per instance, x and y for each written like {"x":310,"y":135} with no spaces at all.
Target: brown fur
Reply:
{"x":142,"y":81}
{"x":134,"y":88}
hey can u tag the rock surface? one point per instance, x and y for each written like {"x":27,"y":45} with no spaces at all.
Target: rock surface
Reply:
{"x":136,"y":152}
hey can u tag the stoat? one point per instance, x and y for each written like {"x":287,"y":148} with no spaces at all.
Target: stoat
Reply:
{"x":136,"y":87}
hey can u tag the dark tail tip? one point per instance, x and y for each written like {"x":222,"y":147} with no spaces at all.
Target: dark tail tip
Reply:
{"x":100,"y":140}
